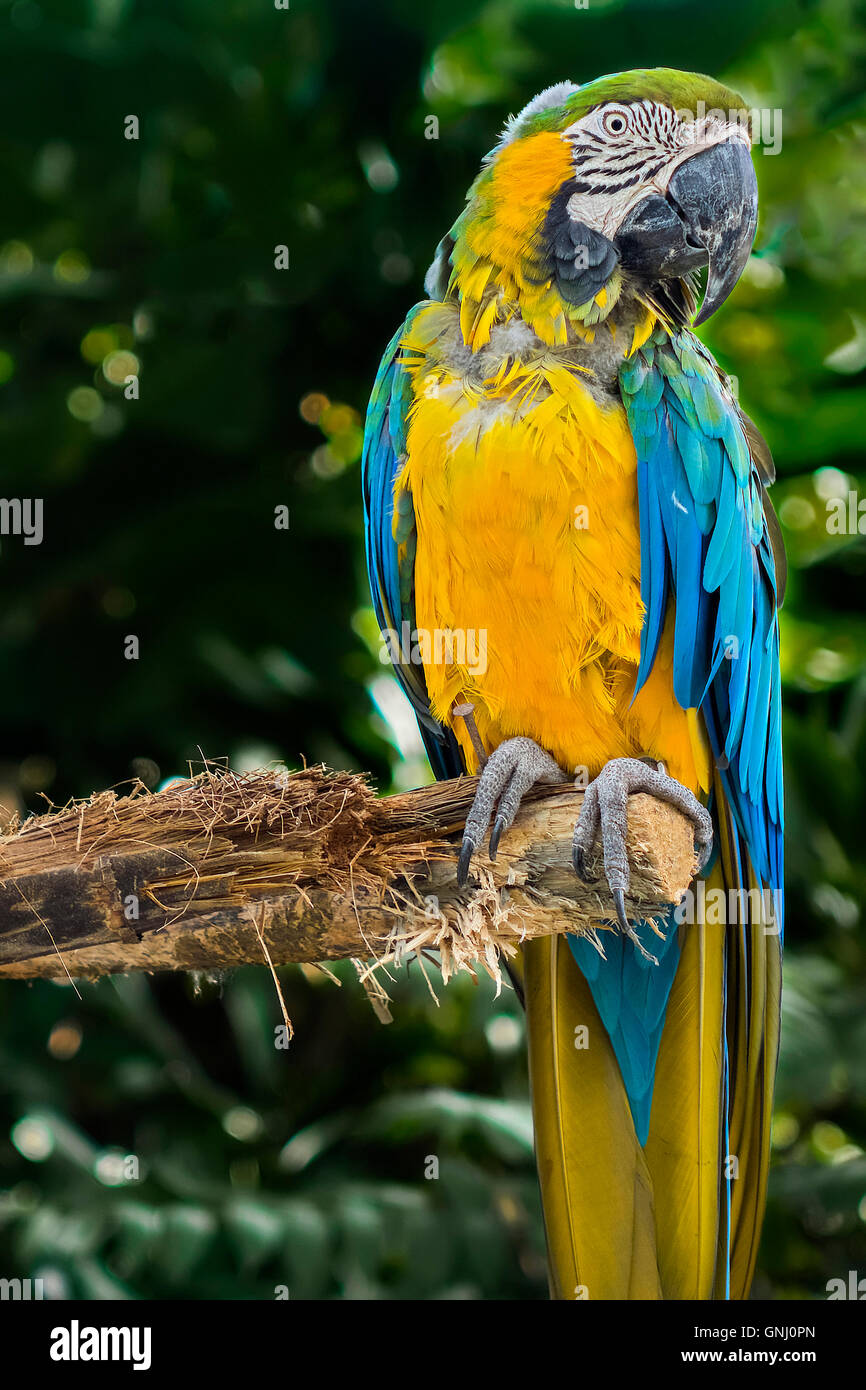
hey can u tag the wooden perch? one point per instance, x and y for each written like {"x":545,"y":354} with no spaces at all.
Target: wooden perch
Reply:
{"x":226,"y":869}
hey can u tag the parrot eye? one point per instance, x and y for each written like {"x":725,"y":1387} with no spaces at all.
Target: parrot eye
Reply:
{"x":614,"y":123}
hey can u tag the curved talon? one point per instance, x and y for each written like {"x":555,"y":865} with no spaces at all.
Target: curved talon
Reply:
{"x":581,"y":867}
{"x":619,"y":903}
{"x":627,"y":928}
{"x":511,"y":769}
{"x":605,"y":811}
{"x":706,"y":853}
{"x":467,"y":849}
{"x":496,"y":835}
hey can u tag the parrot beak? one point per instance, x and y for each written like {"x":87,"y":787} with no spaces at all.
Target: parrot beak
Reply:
{"x":715,"y":195}
{"x":708,"y":216}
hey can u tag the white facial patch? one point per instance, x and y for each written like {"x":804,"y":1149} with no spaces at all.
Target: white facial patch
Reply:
{"x":622,"y":153}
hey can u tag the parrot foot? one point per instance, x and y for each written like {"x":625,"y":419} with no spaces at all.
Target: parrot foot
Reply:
{"x":604,"y":807}
{"x":512,"y":768}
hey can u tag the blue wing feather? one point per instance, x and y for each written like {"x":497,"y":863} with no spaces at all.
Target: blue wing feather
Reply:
{"x":722,"y":572}
{"x":392,"y":583}
{"x":704,"y":541}
{"x":655,"y":565}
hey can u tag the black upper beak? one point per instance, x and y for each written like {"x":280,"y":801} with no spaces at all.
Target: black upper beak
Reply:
{"x":715,"y":194}
{"x":708,"y":217}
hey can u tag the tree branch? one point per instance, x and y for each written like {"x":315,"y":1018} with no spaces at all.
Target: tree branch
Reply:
{"x":313,"y":865}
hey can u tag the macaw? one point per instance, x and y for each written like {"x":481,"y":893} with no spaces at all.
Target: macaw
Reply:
{"x":554,"y":460}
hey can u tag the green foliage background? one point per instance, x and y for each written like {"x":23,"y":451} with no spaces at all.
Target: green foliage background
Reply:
{"x":261,"y":127}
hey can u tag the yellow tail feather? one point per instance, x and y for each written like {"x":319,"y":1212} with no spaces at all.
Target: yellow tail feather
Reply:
{"x":625,"y":1222}
{"x":595,"y":1185}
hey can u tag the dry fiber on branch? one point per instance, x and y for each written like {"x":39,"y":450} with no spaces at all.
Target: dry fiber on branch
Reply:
{"x":227,"y":869}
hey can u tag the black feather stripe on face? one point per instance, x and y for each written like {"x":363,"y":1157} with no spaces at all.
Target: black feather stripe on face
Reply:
{"x":580,"y":260}
{"x":597,"y":176}
{"x":612,"y":187}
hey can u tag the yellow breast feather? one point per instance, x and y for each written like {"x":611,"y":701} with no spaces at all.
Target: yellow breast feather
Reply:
{"x":527,"y":566}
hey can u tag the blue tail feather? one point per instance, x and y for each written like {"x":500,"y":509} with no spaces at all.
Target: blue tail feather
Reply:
{"x":631,"y":995}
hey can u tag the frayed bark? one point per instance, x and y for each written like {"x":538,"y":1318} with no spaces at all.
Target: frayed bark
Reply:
{"x":311,"y":866}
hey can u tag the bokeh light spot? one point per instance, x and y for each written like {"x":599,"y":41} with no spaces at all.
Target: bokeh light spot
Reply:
{"x":71,"y":268}
{"x":64,"y":1040}
{"x":33,"y":1139}
{"x":242,"y":1123}
{"x":119,"y":365}
{"x":84,"y":404}
{"x":313,"y":406}
{"x":16,"y":258}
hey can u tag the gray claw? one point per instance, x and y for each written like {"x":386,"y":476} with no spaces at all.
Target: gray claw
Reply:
{"x":619,"y":904}
{"x":604,"y":809}
{"x":581,"y":867}
{"x":509,"y":772}
{"x":627,"y":928}
{"x":496,"y":835}
{"x":467,"y":849}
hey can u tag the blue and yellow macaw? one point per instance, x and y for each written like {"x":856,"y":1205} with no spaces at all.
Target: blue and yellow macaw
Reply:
{"x":554,"y":460}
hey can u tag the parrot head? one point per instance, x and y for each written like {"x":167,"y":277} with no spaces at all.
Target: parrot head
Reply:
{"x":604,"y":200}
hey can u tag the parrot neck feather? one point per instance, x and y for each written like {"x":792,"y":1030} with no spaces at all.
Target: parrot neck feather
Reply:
{"x":500,"y":262}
